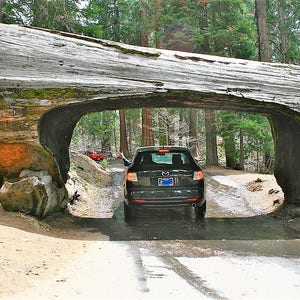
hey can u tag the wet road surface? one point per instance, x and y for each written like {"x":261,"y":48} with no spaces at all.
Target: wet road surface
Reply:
{"x":228,"y":217}
{"x":231,"y":254}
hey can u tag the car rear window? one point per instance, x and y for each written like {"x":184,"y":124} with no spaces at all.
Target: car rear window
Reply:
{"x":164,"y":160}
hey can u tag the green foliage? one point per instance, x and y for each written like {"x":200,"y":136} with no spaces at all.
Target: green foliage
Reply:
{"x":72,"y":166}
{"x":15,"y":12}
{"x":95,"y":130}
{"x":284,"y":27}
{"x":220,"y":27}
{"x":93,"y":30}
{"x":105,"y":163}
{"x":255,"y":130}
{"x":52,"y":14}
{"x":112,"y":20}
{"x":230,"y":29}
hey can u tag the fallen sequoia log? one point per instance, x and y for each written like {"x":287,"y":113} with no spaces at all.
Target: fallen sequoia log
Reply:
{"x":48,"y":80}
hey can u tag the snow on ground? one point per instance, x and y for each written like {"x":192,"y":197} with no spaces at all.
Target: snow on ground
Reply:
{"x":259,"y":193}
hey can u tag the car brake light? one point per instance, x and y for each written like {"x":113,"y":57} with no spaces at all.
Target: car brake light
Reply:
{"x":163,"y":150}
{"x":193,"y":199}
{"x":138,"y":200}
{"x":131,"y":176}
{"x":198,"y":175}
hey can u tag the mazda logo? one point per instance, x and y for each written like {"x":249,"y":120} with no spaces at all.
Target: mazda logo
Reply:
{"x":165,"y":174}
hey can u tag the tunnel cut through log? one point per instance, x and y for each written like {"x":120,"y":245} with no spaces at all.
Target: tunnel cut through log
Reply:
{"x":49,"y":79}
{"x":57,"y":138}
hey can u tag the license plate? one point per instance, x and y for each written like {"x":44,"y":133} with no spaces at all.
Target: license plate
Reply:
{"x":165,"y":181}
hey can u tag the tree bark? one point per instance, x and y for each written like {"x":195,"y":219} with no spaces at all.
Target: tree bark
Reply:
{"x":262,"y":29}
{"x":242,"y":152}
{"x":282,"y":30}
{"x":116,"y":17}
{"x":147,"y":132}
{"x":203,"y":25}
{"x":193,"y":131}
{"x":156,"y":12}
{"x":144,"y":31}
{"x":1,"y":10}
{"x":163,"y":125}
{"x":123,"y":133}
{"x":230,"y":149}
{"x":211,"y":138}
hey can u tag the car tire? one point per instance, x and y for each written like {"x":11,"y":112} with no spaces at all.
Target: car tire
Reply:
{"x":197,"y":212}
{"x":200,"y":211}
{"x":129,"y":212}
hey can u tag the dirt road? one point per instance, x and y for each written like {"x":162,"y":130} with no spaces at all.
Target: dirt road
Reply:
{"x":61,"y":259}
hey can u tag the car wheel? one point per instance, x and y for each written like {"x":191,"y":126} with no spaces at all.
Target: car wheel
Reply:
{"x":129,"y":212}
{"x":197,"y":212}
{"x":200,"y":211}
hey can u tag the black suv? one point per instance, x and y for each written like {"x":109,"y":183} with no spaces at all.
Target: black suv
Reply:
{"x":164,"y":177}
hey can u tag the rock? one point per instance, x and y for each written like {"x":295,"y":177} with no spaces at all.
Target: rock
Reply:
{"x":33,"y":193}
{"x":89,"y":170}
{"x":85,"y":179}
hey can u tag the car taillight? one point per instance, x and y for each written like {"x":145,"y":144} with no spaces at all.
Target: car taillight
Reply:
{"x":131,"y":176}
{"x":193,"y":199}
{"x":198,"y":175}
{"x":138,"y":200}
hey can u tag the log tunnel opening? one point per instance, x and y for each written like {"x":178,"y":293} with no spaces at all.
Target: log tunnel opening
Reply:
{"x":56,"y":127}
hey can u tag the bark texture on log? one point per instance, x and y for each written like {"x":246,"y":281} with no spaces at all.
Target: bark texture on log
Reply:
{"x":49,"y":80}
{"x":84,"y":68}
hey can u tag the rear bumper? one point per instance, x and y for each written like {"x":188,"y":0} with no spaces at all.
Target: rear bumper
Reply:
{"x":164,"y":198}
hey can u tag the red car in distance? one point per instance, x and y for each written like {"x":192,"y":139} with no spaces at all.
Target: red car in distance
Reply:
{"x":95,"y":155}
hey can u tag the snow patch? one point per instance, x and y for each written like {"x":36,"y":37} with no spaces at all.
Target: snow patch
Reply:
{"x":225,"y":180}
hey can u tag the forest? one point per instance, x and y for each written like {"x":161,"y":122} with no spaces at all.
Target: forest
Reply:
{"x":265,"y":30}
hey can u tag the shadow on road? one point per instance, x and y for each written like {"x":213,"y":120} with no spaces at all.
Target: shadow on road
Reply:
{"x":173,"y":225}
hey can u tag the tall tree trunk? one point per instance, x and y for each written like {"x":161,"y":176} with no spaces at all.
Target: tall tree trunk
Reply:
{"x":208,"y":18}
{"x":193,"y":131}
{"x":283,"y":41}
{"x":40,"y":13}
{"x":203,"y":25}
{"x":242,"y":152}
{"x":116,"y":18}
{"x":211,"y":138}
{"x":180,"y":128}
{"x":117,"y":37}
{"x":147,"y":134}
{"x":262,"y":29}
{"x":123,"y":133}
{"x":163,"y":125}
{"x":268,"y":162}
{"x":172,"y":130}
{"x":230,"y":149}
{"x":1,"y":10}
{"x":130,"y":134}
{"x":263,"y":38}
{"x":156,"y":11}
{"x":144,"y":31}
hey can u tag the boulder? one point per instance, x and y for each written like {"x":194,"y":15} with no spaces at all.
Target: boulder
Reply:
{"x":32,"y":193}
